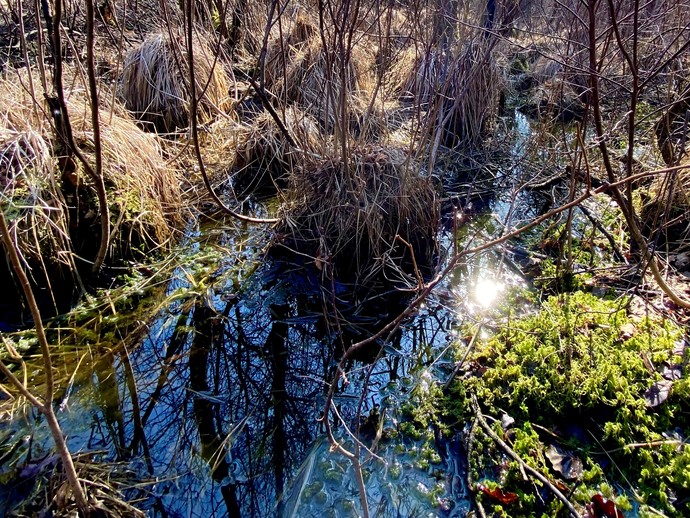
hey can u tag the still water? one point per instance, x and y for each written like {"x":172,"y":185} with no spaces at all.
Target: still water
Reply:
{"x":210,"y":402}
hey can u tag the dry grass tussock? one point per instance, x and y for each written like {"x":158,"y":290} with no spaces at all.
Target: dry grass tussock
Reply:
{"x":43,"y":208}
{"x":471,"y":96}
{"x":103,"y":482}
{"x":249,"y":36}
{"x":418,"y":75}
{"x":30,"y":192}
{"x":143,"y":190}
{"x":155,"y":82}
{"x":31,"y":197}
{"x":264,"y":157}
{"x":459,"y":87}
{"x":351,"y":218}
{"x":300,"y":70}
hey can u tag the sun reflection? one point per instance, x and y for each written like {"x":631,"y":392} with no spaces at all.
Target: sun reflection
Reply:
{"x":486,"y":292}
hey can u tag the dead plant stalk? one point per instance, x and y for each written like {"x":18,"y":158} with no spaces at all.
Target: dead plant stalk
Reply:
{"x":193,"y":102}
{"x":63,"y":127}
{"x":45,"y":407}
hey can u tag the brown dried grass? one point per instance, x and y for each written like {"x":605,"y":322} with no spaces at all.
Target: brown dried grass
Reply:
{"x":143,"y":191}
{"x":104,"y":486}
{"x":30,"y":192}
{"x":301,"y":70}
{"x":155,"y":82}
{"x":265,"y":159}
{"x":460,"y":87}
{"x":471,"y":96}
{"x":418,"y":75}
{"x":354,"y":233}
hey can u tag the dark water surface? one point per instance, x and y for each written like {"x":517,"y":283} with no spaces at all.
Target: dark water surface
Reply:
{"x":215,"y":407}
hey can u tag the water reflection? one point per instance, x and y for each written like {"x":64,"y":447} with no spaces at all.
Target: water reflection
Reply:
{"x":229,"y":397}
{"x":217,"y":407}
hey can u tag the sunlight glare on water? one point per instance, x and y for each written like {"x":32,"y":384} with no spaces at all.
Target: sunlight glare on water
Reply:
{"x":487,"y":291}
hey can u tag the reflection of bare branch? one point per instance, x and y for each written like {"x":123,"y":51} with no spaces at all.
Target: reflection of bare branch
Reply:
{"x":139,"y":435}
{"x":108,"y":397}
{"x":174,"y":347}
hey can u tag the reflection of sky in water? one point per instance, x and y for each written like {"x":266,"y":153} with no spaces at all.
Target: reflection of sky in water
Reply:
{"x":233,"y":377}
{"x":218,"y":406}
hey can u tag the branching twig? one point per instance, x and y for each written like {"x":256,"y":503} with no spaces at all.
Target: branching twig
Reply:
{"x":526,"y":467}
{"x":45,"y":407}
{"x":193,"y":102}
{"x":626,"y":207}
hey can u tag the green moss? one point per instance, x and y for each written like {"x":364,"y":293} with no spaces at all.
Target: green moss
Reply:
{"x":572,"y":375}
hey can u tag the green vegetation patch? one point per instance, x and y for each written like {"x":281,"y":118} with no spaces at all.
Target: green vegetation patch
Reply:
{"x":599,"y":401}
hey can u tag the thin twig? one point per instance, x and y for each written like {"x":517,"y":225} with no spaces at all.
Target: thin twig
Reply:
{"x":193,"y":102}
{"x":526,"y":467}
{"x":46,"y":408}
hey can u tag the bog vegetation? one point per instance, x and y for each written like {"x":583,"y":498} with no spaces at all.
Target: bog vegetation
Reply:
{"x":342,"y":129}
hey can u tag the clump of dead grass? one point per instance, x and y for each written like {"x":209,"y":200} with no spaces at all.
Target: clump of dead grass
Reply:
{"x":301,"y":70}
{"x":54,"y":215}
{"x":418,"y":75}
{"x":143,"y":189}
{"x":356,"y":219}
{"x":264,"y":156}
{"x":155,"y":82}
{"x":32,"y":202}
{"x":104,"y":486}
{"x":470,"y":100}
{"x":459,"y":88}
{"x":30,"y":192}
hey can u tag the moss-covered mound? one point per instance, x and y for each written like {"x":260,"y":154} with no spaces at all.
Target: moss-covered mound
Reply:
{"x":599,"y":400}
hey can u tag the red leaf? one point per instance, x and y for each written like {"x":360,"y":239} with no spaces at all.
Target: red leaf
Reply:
{"x":498,"y":494}
{"x":604,"y":508}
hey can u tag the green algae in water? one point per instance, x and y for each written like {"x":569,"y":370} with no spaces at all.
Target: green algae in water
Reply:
{"x":575,"y":374}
